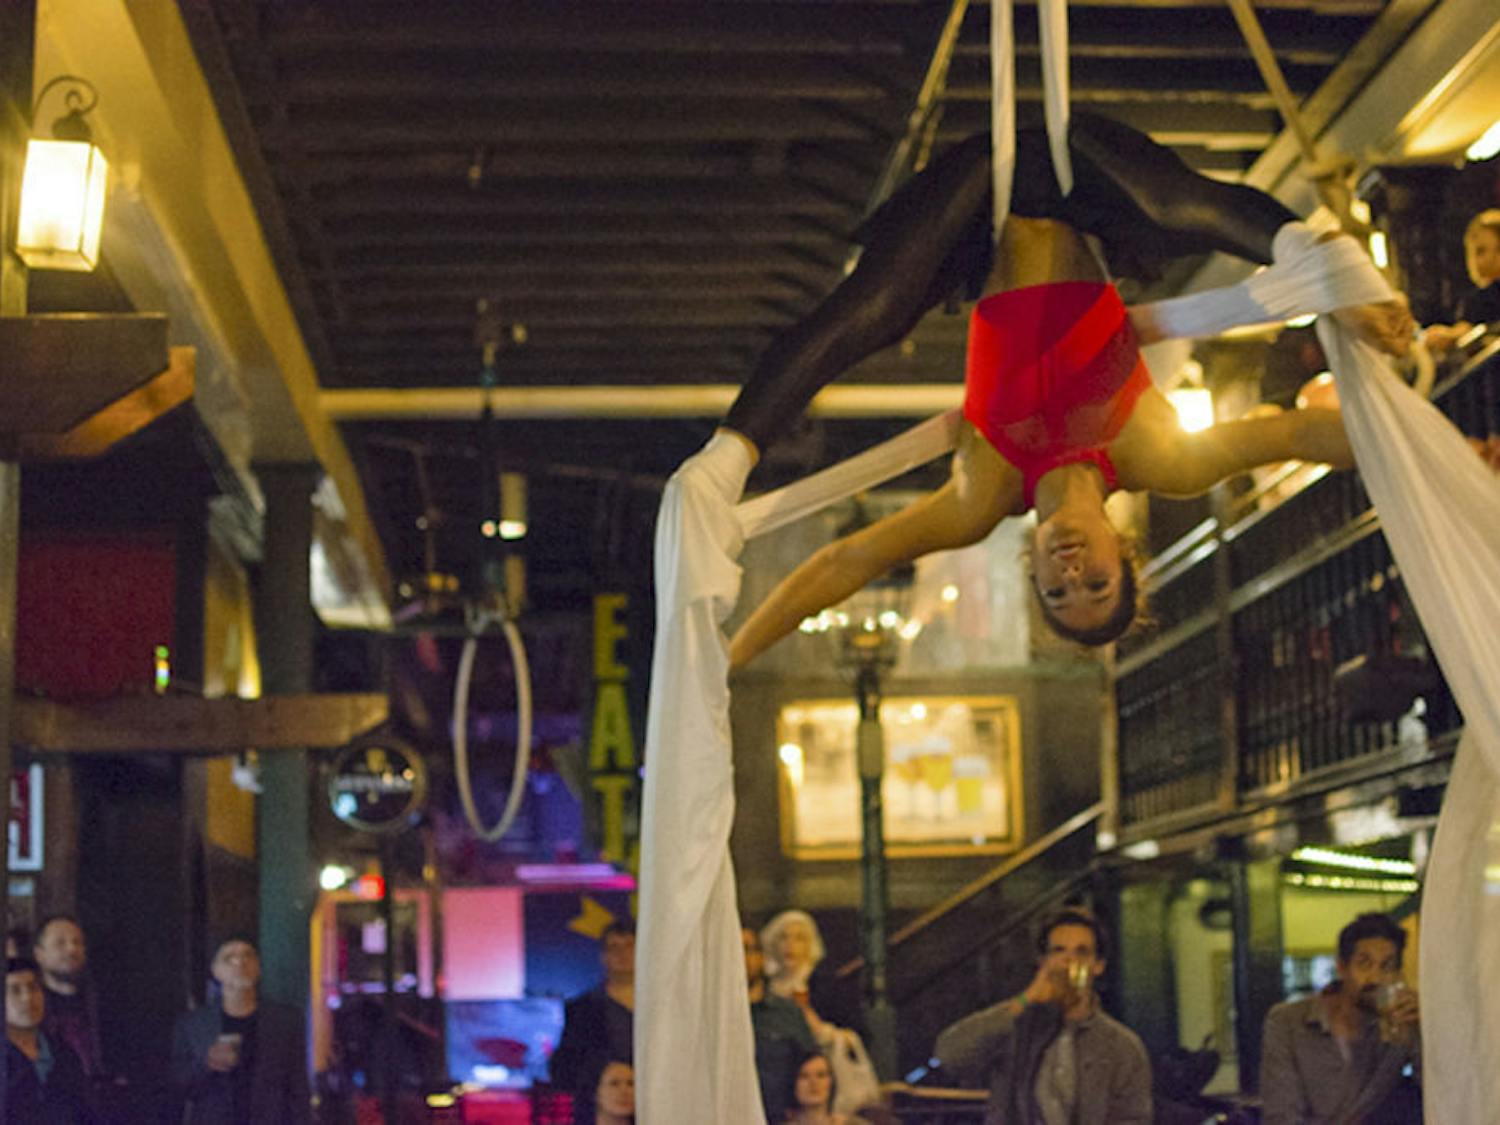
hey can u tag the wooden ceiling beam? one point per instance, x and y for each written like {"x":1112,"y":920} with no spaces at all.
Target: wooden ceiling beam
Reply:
{"x":1300,"y":32}
{"x":663,"y":261}
{"x":502,"y":202}
{"x":471,"y":79}
{"x":617,"y":314}
{"x":371,"y":298}
{"x":544,"y":237}
{"x":633,"y":121}
{"x":183,"y":724}
{"x":1223,"y":125}
{"x":533,"y":162}
{"x":786,"y":28}
{"x":352,"y":346}
{"x":1161,"y":79}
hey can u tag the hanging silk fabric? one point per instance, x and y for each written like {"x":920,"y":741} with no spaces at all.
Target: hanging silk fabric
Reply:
{"x":1052,"y":30}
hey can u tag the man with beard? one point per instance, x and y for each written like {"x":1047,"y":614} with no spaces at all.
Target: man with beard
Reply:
{"x":72,"y":1017}
{"x":1341,"y":1055}
{"x":241,"y":1060}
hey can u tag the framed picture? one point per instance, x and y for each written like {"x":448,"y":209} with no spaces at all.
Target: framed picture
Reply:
{"x":951,"y":784}
{"x":25,"y":829}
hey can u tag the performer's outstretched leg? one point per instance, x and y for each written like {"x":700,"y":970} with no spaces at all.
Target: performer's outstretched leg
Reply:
{"x":920,"y":246}
{"x":1126,"y":184}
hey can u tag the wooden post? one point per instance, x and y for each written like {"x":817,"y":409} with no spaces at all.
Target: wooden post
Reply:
{"x":17,"y":44}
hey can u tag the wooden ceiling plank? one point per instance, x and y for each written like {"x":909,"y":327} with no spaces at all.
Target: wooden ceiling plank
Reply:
{"x":666,"y":261}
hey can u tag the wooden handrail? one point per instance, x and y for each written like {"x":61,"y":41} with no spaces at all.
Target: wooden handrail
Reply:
{"x":964,"y":894}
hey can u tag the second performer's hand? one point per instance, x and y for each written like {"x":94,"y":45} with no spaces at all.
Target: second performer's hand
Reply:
{"x":1385,"y":325}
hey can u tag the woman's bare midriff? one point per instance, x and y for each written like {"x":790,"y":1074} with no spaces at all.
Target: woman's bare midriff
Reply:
{"x":1040,"y":252}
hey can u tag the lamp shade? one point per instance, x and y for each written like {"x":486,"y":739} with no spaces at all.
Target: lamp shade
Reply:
{"x":62,"y":205}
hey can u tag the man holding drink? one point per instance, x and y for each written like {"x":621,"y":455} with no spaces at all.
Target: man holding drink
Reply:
{"x":241,"y":1058}
{"x":1344,"y":1054}
{"x":1051,"y":1054}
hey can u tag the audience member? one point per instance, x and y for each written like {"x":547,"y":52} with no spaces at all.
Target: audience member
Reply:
{"x":1339,"y":1055}
{"x":72,"y":1014}
{"x":811,"y":1097}
{"x":781,"y":1033}
{"x":613,"y":1100}
{"x":1482,"y":304}
{"x":600,"y":1024}
{"x":1051,"y":1054}
{"x":794,"y":971}
{"x":241,"y":1059}
{"x":45,"y":1081}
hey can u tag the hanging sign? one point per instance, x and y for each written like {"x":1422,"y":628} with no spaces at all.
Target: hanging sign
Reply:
{"x":377,"y":785}
{"x":614,"y":765}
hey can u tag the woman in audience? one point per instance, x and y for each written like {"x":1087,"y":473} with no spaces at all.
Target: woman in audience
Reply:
{"x":794,"y":953}
{"x":812,"y":1094}
{"x":614,"y":1096}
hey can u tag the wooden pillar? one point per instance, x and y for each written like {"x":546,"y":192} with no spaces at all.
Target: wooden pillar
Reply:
{"x":17,"y":45}
{"x":284,"y":639}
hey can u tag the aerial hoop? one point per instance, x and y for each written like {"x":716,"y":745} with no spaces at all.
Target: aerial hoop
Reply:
{"x":461,"y":727}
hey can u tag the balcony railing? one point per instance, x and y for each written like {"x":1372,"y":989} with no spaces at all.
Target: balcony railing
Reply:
{"x":1233,"y":696}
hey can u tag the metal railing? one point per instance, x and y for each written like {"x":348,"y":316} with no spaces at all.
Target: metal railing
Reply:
{"x":1258,"y":608}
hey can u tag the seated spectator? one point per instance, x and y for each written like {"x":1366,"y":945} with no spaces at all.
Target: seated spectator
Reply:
{"x":1340,"y":1055}
{"x":613,"y":1096}
{"x":241,"y":1058}
{"x":1482,"y":304}
{"x":781,"y":1033}
{"x":810,"y":1100}
{"x":1051,"y":1054}
{"x":44,"y":1076}
{"x":599,"y":1025}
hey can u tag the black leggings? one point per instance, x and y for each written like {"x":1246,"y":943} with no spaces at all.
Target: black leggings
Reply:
{"x":934,"y":235}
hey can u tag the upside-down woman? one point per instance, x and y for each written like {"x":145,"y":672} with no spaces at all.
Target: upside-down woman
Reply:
{"x":1059,"y":408}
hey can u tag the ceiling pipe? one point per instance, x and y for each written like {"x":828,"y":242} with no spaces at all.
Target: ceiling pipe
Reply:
{"x":704,"y":400}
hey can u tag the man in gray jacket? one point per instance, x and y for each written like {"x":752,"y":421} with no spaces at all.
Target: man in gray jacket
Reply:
{"x":1051,"y":1055}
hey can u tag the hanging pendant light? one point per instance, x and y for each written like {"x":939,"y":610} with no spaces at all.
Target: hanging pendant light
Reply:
{"x":61,"y":219}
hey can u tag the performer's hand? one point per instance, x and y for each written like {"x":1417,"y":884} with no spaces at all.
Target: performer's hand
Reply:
{"x":1386,"y":325}
{"x":1488,"y":450}
{"x":1440,"y":337}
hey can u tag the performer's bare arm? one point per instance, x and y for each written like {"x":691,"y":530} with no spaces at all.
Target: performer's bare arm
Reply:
{"x":981,"y":490}
{"x":1179,"y":464}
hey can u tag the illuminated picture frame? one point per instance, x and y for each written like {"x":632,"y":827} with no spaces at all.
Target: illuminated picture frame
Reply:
{"x":952,"y":781}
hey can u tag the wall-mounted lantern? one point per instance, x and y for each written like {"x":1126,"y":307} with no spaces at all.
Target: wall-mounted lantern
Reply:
{"x":61,"y":219}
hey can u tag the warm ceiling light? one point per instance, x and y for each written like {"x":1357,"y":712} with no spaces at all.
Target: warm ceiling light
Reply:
{"x":1486,"y":146}
{"x":512,"y":506}
{"x":61,"y":219}
{"x":1194,"y":406}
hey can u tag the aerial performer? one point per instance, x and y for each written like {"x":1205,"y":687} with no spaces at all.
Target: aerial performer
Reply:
{"x":1059,"y":409}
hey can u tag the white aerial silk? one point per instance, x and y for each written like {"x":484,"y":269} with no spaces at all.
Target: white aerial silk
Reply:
{"x":1052,"y":25}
